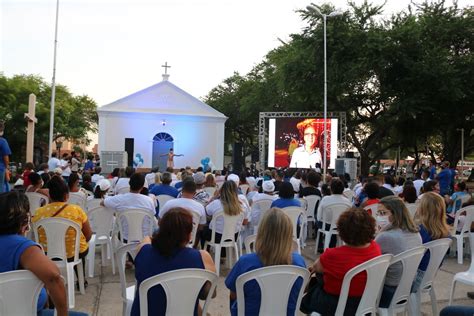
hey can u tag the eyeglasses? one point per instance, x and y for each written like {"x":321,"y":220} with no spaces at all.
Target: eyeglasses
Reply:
{"x":310,"y":134}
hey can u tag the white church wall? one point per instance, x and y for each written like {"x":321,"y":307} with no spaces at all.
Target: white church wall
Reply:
{"x":194,"y":137}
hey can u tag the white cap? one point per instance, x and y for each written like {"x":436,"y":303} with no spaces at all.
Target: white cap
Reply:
{"x":103,"y":184}
{"x":233,"y":177}
{"x":268,"y":186}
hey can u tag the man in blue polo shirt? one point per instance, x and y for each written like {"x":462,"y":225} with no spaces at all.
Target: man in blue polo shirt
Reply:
{"x":164,"y":187}
{"x":5,"y":152}
{"x":444,"y":179}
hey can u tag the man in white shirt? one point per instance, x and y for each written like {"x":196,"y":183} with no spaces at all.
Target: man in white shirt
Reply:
{"x":418,"y":183}
{"x":336,"y":197}
{"x":133,"y":200}
{"x":123,"y":182}
{"x":267,"y":187}
{"x":53,"y":162}
{"x":96,"y":177}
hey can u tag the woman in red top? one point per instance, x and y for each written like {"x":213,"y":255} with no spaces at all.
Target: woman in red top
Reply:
{"x":357,"y":229}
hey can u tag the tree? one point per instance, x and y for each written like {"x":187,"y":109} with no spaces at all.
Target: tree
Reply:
{"x":75,"y":116}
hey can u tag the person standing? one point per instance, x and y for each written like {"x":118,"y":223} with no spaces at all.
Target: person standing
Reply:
{"x":54,"y":162}
{"x":5,"y":153}
{"x":444,"y":179}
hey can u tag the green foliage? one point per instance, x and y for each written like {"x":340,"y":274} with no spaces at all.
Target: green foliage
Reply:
{"x":75,"y":116}
{"x":403,"y":81}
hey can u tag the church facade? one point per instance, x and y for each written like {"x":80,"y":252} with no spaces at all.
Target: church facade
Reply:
{"x":150,"y":122}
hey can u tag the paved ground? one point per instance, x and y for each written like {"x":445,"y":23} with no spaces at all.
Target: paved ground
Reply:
{"x":103,"y":294}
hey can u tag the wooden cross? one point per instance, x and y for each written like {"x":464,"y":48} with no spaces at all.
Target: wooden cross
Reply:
{"x":166,"y":67}
{"x":32,"y":120}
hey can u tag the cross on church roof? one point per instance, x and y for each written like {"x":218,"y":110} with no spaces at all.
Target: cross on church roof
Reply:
{"x":166,"y":67}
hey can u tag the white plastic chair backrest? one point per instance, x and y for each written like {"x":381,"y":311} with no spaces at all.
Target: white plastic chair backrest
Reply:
{"x":295,"y":213}
{"x":135,"y":219}
{"x":19,"y":291}
{"x":373,"y":208}
{"x":78,"y":198}
{"x":468,"y":219}
{"x":376,"y":269}
{"x":196,"y":220}
{"x":412,"y":207}
{"x":249,"y":243}
{"x":244,"y":188}
{"x":275,"y":284}
{"x":410,"y":261}
{"x":163,"y":198}
{"x":349,"y":194}
{"x":35,"y":200}
{"x":312,"y":201}
{"x":92,"y":203}
{"x":210,"y":190}
{"x":471,"y":243}
{"x":230,"y":225}
{"x":123,"y":190}
{"x":437,"y":249}
{"x":262,"y":205}
{"x":102,"y":221}
{"x":55,"y":229}
{"x":120,"y":257}
{"x":304,"y":203}
{"x":181,"y":288}
{"x":333,"y":211}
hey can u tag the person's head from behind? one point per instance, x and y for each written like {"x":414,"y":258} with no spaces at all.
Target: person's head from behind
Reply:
{"x":431,"y":186}
{"x":286,"y":191}
{"x":392,"y":210}
{"x":137,"y":181}
{"x":35,"y":179}
{"x":29,"y":166}
{"x":175,"y":231}
{"x":337,"y":186}
{"x":115,"y":172}
{"x":313,"y":178}
{"x":73,"y":182}
{"x":229,"y":198}
{"x":97,"y":170}
{"x":460,"y":187}
{"x":45,"y":177}
{"x":86,"y":178}
{"x":372,"y":190}
{"x":101,"y":188}
{"x":425,"y":174}
{"x":210,"y":181}
{"x":15,"y":213}
{"x":157,"y":178}
{"x":409,"y":194}
{"x":189,"y":188}
{"x":356,"y":227}
{"x":129,"y":171}
{"x":58,"y":190}
{"x":166,"y":178}
{"x":389,"y":180}
{"x":271,"y":248}
{"x":431,"y":213}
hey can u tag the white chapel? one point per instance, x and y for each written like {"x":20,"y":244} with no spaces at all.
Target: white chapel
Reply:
{"x":147,"y":123}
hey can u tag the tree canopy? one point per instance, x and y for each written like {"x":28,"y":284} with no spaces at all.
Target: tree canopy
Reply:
{"x":404,"y":81}
{"x":75,"y":116}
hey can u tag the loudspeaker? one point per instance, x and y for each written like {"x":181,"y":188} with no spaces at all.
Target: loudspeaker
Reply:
{"x":237,"y":158}
{"x":129,"y":146}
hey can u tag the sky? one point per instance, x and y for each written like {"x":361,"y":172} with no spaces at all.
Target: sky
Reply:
{"x":109,"y":49}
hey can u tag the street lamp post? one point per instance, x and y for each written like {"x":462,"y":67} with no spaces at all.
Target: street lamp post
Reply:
{"x":53,"y":85}
{"x":313,"y":8}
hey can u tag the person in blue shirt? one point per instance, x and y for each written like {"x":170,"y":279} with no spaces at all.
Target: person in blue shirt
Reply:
{"x":5,"y":152}
{"x":433,"y":171}
{"x":165,"y":187}
{"x":271,"y":249}
{"x":454,"y":202}
{"x":444,"y":178}
{"x":286,"y":197}
{"x":20,"y":253}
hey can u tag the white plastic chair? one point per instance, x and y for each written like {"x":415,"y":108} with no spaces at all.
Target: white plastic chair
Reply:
{"x":232,"y":226}
{"x":275,"y":284}
{"x":163,"y":198}
{"x":36,"y":199}
{"x":181,"y":288}
{"x":78,"y":198}
{"x":460,"y":200}
{"x":249,"y":243}
{"x":244,"y":188}
{"x":412,"y":207}
{"x":128,"y":293}
{"x":196,"y":220}
{"x":210,"y":190}
{"x":410,"y":260}
{"x":349,"y":194}
{"x":261,"y":206}
{"x":135,"y":219}
{"x":55,"y":229}
{"x":466,"y":277}
{"x":465,"y":230}
{"x":296,"y":214}
{"x":92,"y":203}
{"x":311,"y":201}
{"x":376,"y":269}
{"x":437,"y":249}
{"x":102,"y":222}
{"x":333,"y":212}
{"x":373,"y":209}
{"x":19,"y":292}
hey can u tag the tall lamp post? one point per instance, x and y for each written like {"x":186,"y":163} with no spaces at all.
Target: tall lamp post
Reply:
{"x":53,"y":85}
{"x":312,"y":8}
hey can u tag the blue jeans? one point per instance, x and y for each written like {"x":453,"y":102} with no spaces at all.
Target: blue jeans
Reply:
{"x":2,"y":180}
{"x":50,"y":312}
{"x":457,"y":311}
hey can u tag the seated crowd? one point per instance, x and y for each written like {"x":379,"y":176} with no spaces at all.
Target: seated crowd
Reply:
{"x":376,"y":219}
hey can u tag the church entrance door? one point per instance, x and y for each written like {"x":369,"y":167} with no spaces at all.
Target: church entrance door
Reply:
{"x":162,"y":142}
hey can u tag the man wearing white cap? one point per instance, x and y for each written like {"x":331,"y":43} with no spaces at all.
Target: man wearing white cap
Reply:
{"x":201,"y":196}
{"x":267,"y":187}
